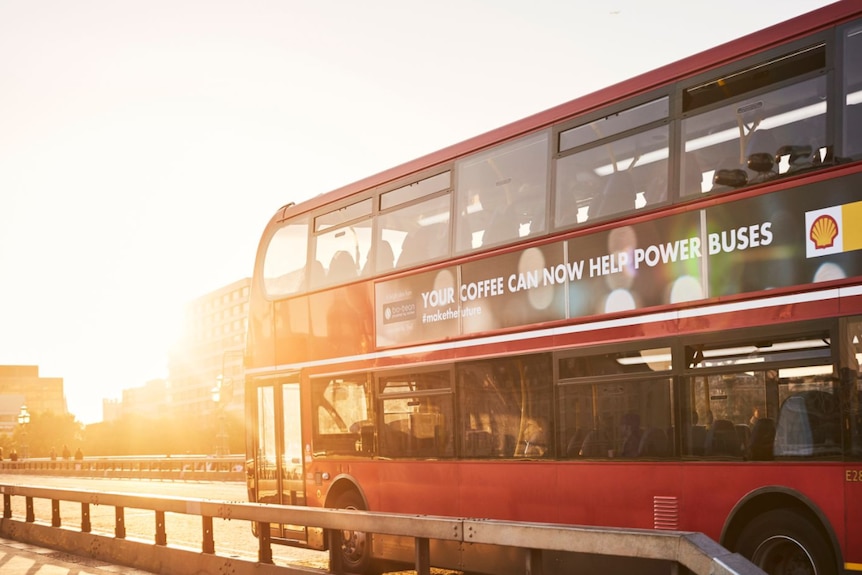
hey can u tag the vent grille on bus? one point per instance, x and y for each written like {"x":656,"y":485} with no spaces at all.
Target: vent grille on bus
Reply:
{"x":665,"y":512}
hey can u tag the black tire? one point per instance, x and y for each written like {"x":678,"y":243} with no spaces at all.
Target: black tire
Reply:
{"x":785,"y":542}
{"x":355,"y":545}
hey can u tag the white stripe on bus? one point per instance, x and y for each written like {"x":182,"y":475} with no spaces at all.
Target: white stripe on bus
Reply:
{"x":709,"y":310}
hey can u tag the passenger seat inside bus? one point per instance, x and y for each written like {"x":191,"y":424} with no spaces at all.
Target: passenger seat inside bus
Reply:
{"x":761,"y":440}
{"x":722,"y":439}
{"x":653,"y":443}
{"x":696,"y":439}
{"x":396,"y":438}
{"x":384,"y":259}
{"x":618,"y":196}
{"x":478,"y":443}
{"x":342,"y":268}
{"x":317,"y":275}
{"x":595,"y":444}
{"x":760,"y":155}
{"x":808,"y":424}
{"x":422,"y":244}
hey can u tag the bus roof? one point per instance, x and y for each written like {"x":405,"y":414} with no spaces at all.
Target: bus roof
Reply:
{"x":687,"y":67}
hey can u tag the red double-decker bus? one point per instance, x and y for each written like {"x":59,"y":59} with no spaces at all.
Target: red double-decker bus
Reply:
{"x":641,"y":308}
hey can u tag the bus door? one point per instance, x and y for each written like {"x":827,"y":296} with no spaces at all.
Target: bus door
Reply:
{"x":278,"y":465}
{"x":851,"y":376}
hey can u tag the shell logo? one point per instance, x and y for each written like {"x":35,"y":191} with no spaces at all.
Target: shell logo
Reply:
{"x":823,"y":232}
{"x":833,"y":230}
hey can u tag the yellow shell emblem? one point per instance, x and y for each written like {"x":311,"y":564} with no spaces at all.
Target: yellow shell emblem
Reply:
{"x":824,"y":230}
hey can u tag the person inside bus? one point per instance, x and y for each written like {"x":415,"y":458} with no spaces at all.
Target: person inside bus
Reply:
{"x":631,"y":434}
{"x":342,"y":267}
{"x":514,"y":214}
{"x":536,"y":443}
{"x":502,"y":224}
{"x":755,"y":415}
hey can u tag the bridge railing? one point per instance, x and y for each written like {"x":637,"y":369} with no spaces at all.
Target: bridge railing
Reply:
{"x":160,"y":468}
{"x":683,"y":552}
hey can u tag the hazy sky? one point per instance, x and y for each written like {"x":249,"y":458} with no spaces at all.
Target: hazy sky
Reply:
{"x":144,"y":144}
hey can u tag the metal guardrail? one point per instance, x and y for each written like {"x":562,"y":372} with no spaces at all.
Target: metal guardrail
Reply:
{"x":686,"y":551}
{"x":172,"y":468}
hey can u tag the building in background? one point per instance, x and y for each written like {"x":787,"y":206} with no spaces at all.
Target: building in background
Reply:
{"x":205,"y":367}
{"x":21,"y":385}
{"x":151,"y":400}
{"x":112,"y":409}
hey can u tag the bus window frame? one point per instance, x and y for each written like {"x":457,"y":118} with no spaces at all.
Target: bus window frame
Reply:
{"x":767,"y":363}
{"x":762,"y":60}
{"x":305,"y":283}
{"x":378,"y":239}
{"x":828,"y":39}
{"x":850,"y":372}
{"x":559,"y":223}
{"x":463,"y":198}
{"x":562,"y":384}
{"x":367,"y":377}
{"x":602,"y":350}
{"x":274,"y":383}
{"x":363,"y":218}
{"x":802,"y":331}
{"x":490,"y":447}
{"x":380,"y":398}
{"x":842,"y":58}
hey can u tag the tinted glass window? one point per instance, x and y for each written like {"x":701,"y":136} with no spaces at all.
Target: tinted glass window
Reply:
{"x":850,"y":369}
{"x":614,"y":124}
{"x":341,"y":416}
{"x":763,"y":401}
{"x":757,"y":139}
{"x":343,"y":215}
{"x":505,"y":407}
{"x":284,"y":269}
{"x":627,"y":419}
{"x":417,"y":416}
{"x":502,"y":193}
{"x":755,"y":78}
{"x":853,"y":93}
{"x":341,"y":253}
{"x":616,"y":177}
{"x":616,"y":363}
{"x":416,"y":190}
{"x":413,"y":234}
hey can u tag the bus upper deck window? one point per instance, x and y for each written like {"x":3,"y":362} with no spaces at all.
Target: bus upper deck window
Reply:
{"x":284,"y":267}
{"x":852,"y":145}
{"x":501,"y":194}
{"x":413,"y":224}
{"x":759,"y":134}
{"x":342,"y":242}
{"x":621,"y":176}
{"x":614,"y":164}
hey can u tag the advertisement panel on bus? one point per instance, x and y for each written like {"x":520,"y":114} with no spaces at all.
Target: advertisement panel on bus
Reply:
{"x":788,"y":238}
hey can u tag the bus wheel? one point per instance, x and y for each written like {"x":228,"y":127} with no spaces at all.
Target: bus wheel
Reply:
{"x":355,"y":545}
{"x":785,"y":542}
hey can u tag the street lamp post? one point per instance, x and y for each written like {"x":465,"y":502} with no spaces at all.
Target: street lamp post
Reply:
{"x":23,"y":420}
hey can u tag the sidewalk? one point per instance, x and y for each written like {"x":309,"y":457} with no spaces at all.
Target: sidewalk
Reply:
{"x":23,"y":559}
